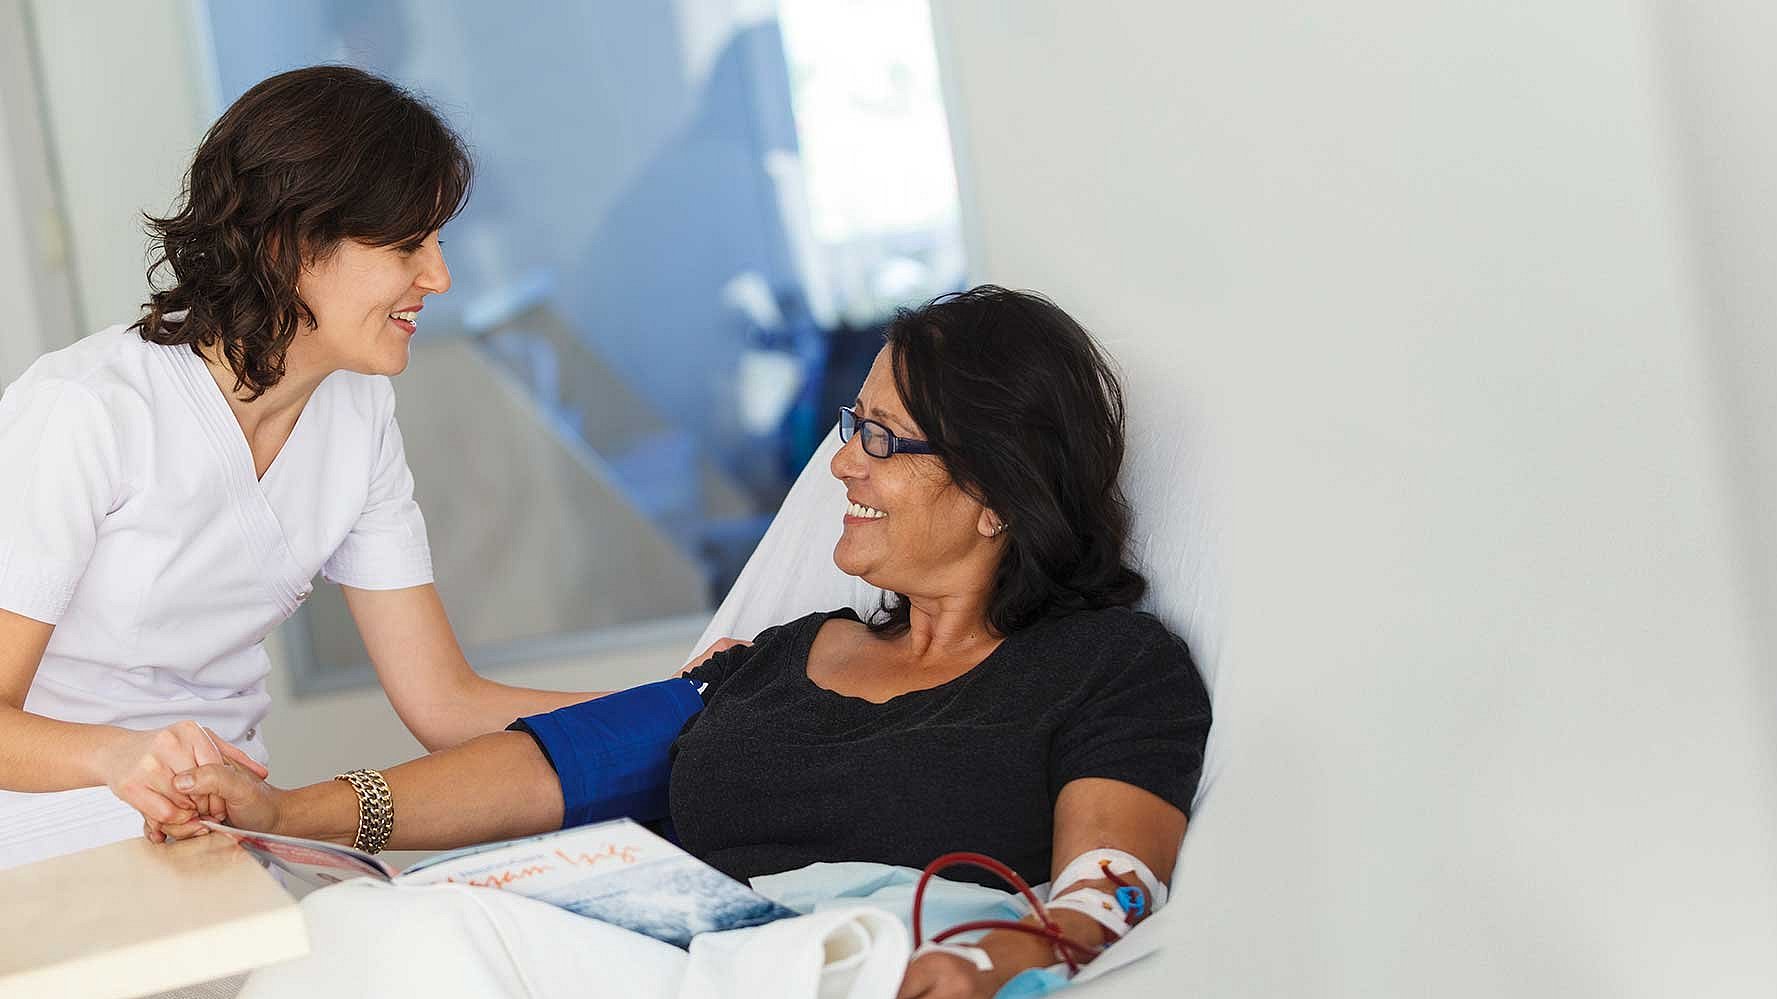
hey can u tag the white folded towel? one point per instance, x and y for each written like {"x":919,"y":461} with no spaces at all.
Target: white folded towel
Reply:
{"x":855,"y":952}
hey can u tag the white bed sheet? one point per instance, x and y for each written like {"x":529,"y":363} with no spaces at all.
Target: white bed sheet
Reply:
{"x":445,"y":941}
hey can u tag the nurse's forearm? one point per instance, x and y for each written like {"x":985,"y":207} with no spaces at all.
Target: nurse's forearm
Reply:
{"x":38,"y":753}
{"x":43,"y":754}
{"x":422,"y":668}
{"x":477,"y":706}
{"x":498,"y":786}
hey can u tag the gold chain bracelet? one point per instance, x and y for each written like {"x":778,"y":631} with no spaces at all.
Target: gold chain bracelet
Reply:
{"x":376,"y":809}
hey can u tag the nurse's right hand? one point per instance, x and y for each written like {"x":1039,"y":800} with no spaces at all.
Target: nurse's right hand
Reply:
{"x":719,"y":645}
{"x":139,"y":769}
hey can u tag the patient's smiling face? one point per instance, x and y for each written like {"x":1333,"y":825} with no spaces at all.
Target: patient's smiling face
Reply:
{"x":931,"y":538}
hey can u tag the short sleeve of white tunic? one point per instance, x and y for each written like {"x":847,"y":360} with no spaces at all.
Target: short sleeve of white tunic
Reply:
{"x":387,"y":547}
{"x":62,"y":476}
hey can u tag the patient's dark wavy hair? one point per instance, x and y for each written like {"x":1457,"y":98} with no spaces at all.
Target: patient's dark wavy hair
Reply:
{"x":1026,"y":412}
{"x":300,"y":162}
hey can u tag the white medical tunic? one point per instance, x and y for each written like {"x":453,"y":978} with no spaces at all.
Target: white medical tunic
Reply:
{"x":131,"y":518}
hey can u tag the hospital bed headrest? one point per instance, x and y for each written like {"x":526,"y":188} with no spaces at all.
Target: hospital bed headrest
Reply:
{"x":1172,"y":478}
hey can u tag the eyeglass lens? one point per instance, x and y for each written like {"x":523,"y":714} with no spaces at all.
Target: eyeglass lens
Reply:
{"x":876,"y":442}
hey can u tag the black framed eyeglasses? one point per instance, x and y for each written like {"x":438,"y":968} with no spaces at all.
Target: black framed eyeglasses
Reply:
{"x":879,"y":441}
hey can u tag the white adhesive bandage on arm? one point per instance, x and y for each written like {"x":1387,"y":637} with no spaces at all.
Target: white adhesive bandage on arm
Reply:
{"x":1101,"y":907}
{"x":1093,"y":865}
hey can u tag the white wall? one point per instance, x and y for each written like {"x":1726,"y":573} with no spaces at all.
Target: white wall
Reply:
{"x":35,"y":282}
{"x":121,"y":127}
{"x":1490,"y":688}
{"x":1721,"y":78}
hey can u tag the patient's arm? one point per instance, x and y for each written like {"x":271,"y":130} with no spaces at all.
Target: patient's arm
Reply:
{"x":1090,"y":813}
{"x":493,"y":787}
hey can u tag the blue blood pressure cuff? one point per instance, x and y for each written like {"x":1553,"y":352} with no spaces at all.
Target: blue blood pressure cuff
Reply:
{"x":610,"y":753}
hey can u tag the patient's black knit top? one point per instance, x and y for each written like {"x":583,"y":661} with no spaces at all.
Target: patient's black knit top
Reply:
{"x":777,"y":772}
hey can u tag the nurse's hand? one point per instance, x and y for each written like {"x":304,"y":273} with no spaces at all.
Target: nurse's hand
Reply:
{"x":248,"y":802}
{"x":139,"y":768}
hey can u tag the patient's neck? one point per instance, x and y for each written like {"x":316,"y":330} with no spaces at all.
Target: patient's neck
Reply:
{"x":947,"y":627}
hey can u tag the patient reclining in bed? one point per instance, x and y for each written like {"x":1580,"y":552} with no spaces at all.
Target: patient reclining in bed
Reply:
{"x":1006,"y":700}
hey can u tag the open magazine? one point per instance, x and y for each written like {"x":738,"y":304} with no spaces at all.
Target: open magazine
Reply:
{"x":615,"y":871}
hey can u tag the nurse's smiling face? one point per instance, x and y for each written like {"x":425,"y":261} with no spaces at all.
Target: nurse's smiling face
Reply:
{"x":366,"y":300}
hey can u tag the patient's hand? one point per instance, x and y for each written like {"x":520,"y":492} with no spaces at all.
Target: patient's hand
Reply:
{"x":247,"y":801}
{"x":944,"y":976}
{"x":719,"y":645}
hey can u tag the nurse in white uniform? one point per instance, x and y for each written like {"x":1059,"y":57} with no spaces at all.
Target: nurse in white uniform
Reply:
{"x":169,"y":490}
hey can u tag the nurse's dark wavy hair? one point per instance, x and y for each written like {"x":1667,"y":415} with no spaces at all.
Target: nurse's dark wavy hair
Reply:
{"x":1026,"y":412}
{"x":300,"y":162}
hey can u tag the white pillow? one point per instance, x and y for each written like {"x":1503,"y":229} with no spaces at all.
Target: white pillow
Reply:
{"x":792,"y":573}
